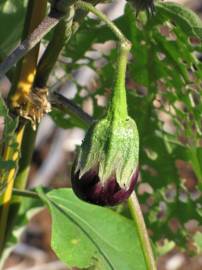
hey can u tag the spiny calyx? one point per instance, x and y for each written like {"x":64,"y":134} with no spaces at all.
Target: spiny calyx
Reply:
{"x":106,"y":170}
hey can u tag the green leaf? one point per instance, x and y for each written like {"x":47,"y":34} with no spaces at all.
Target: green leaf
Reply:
{"x":12,"y":15}
{"x":85,"y":235}
{"x":185,"y":18}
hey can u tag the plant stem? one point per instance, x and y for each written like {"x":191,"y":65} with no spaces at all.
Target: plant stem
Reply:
{"x":118,"y":106}
{"x":68,"y":106}
{"x":6,"y":197}
{"x":62,"y":34}
{"x":28,"y":141}
{"x":44,"y":27}
{"x":137,"y":216}
{"x":22,"y":86}
{"x":26,"y":68}
{"x":80,"y":16}
{"x":43,"y":71}
{"x":90,"y":8}
{"x":25,"y":193}
{"x":47,"y":62}
{"x":26,"y":156}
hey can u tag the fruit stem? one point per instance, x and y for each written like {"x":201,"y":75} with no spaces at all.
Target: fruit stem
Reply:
{"x":90,"y":8}
{"x":118,"y":107}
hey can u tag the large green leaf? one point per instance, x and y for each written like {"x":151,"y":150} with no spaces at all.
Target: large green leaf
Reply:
{"x":12,"y":15}
{"x":85,"y":235}
{"x":189,"y":22}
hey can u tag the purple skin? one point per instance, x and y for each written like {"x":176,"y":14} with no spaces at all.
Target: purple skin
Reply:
{"x":89,"y":188}
{"x":147,"y":5}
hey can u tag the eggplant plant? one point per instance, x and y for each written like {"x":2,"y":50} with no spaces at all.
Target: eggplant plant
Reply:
{"x":150,"y":125}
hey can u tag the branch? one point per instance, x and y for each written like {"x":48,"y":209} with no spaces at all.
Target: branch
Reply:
{"x":64,"y":104}
{"x":30,"y":42}
{"x":25,"y":193}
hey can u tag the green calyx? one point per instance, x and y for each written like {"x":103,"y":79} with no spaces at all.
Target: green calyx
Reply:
{"x":111,"y":150}
{"x":111,"y":145}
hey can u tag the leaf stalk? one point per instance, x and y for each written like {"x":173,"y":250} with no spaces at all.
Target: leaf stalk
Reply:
{"x":137,"y":216}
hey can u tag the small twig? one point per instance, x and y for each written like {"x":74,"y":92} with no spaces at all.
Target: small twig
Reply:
{"x":30,"y":42}
{"x":25,"y":193}
{"x":67,"y":105}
